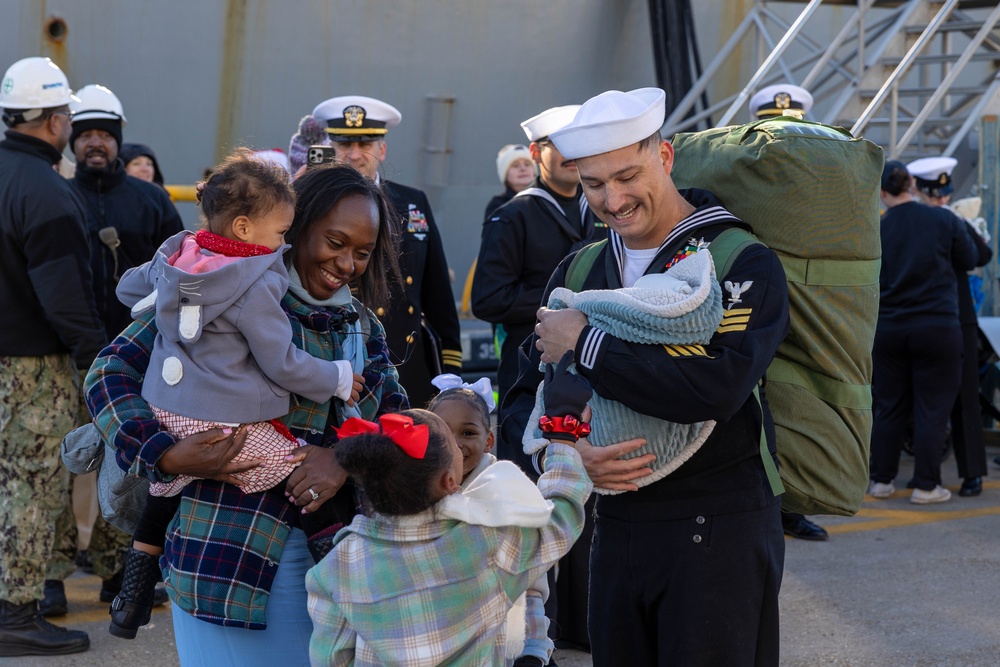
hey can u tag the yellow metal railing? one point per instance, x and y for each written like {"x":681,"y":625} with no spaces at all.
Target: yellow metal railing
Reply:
{"x":181,"y":192}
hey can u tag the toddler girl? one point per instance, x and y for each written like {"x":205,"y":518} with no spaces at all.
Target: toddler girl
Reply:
{"x":427,"y":574}
{"x":223,"y":354}
{"x":466,"y":409}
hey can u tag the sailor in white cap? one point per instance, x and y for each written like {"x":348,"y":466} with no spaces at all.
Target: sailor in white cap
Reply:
{"x":781,"y":99}
{"x":932,"y":178}
{"x":721,"y":495}
{"x":421,"y":324}
{"x":933,"y":183}
{"x":524,"y":240}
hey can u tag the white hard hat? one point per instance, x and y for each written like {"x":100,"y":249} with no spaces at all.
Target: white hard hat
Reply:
{"x":95,"y":101}
{"x":33,"y":84}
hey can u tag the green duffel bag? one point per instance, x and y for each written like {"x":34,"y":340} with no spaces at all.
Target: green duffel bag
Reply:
{"x":811,"y":193}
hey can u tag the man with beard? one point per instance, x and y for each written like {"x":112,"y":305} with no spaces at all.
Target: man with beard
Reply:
{"x":127,"y":219}
{"x":50,"y":332}
{"x":357,"y":127}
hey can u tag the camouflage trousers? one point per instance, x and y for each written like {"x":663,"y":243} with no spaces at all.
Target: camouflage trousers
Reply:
{"x":39,"y":398}
{"x":106,"y":551}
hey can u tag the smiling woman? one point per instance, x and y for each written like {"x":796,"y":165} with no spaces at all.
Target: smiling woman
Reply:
{"x":340,"y":239}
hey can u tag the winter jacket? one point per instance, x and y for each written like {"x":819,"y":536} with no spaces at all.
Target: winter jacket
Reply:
{"x":142,"y":218}
{"x":45,"y":281}
{"x":244,"y":367}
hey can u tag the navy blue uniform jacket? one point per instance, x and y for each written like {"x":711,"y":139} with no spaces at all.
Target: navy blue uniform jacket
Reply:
{"x":683,"y":384}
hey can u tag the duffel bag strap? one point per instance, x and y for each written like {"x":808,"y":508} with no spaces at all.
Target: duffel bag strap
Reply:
{"x":773,"y":478}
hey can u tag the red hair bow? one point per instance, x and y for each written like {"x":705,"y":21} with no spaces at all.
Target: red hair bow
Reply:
{"x":411,"y":438}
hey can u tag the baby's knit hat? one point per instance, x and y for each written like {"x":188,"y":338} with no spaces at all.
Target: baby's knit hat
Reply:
{"x":311,"y":133}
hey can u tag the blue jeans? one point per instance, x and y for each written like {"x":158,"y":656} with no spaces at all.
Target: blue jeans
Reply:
{"x":284,"y":642}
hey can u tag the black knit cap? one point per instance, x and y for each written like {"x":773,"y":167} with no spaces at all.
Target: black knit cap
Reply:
{"x":112,"y":127}
{"x":129,"y":152}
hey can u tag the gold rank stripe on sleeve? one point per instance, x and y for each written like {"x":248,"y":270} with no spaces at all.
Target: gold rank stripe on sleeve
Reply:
{"x":686,"y":350}
{"x":734,"y":320}
{"x":452,"y":357}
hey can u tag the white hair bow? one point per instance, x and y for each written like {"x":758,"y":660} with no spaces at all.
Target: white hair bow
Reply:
{"x":480,"y":387}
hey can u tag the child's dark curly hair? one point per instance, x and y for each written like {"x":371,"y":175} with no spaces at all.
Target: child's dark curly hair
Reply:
{"x":393,"y":482}
{"x":243,"y":185}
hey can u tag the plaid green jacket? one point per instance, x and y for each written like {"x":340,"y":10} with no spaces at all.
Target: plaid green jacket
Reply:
{"x":223,"y":546}
{"x":421,"y":591}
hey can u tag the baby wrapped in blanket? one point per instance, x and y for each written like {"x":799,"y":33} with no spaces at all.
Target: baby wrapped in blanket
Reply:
{"x":682,"y":306}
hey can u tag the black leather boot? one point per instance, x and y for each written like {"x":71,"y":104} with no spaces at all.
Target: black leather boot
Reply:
{"x":132,"y":606}
{"x":54,"y":603}
{"x":110,"y":588}
{"x":23,"y":631}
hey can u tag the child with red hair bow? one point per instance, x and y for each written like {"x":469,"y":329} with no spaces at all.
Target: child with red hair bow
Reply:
{"x":426,"y":575}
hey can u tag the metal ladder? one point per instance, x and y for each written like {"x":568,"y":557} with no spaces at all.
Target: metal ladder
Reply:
{"x":918,"y":77}
{"x":913,"y":76}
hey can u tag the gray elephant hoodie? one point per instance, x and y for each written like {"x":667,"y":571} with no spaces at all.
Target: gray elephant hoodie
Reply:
{"x":223,"y":349}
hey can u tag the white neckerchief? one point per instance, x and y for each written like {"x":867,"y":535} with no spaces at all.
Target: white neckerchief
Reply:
{"x":636,"y":263}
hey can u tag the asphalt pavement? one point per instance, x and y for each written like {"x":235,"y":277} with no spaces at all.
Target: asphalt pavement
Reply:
{"x":897,"y":585}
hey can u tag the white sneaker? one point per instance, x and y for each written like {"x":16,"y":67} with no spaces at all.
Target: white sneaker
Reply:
{"x":938,"y":494}
{"x":880,"y":490}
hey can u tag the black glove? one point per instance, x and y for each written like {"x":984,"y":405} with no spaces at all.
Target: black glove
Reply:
{"x":565,"y":393}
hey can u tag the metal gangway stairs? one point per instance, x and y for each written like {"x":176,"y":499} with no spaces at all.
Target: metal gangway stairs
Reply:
{"x":918,"y":77}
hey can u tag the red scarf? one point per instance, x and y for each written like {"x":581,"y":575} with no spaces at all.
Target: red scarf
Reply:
{"x":228,"y":247}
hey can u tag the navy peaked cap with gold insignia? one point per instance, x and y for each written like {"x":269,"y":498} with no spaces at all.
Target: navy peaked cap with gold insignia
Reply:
{"x":933,"y":174}
{"x":356,"y":118}
{"x":777,"y":99}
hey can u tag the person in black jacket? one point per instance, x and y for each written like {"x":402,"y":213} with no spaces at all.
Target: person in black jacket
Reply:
{"x":524,"y":240}
{"x":127,"y":219}
{"x":917,"y":355}
{"x":685,"y":570}
{"x":421,"y":323}
{"x":932,"y":177}
{"x":50,"y":333}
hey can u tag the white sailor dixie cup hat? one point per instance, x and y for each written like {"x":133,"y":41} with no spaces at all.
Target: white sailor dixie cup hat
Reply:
{"x":541,"y":126}
{"x":777,"y":99}
{"x":933,"y":174}
{"x":356,"y":118}
{"x":610,"y":121}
